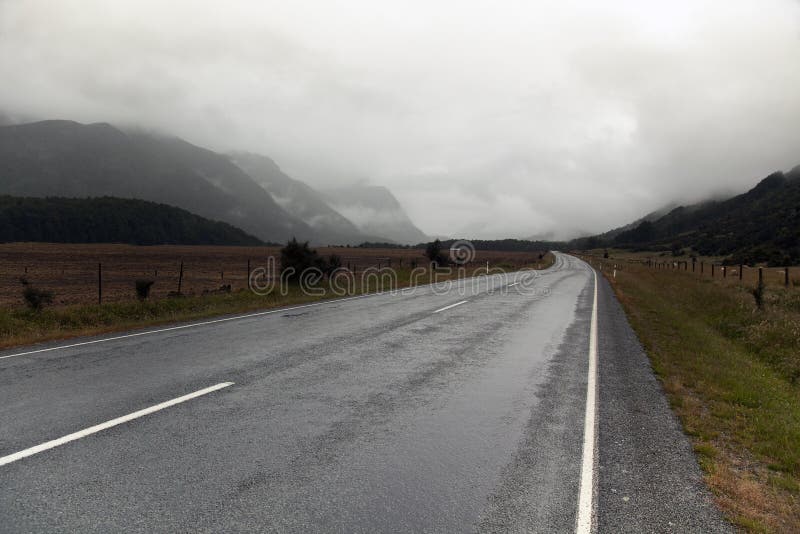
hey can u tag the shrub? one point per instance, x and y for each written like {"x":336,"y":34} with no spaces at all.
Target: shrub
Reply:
{"x":299,"y":257}
{"x":143,"y":288}
{"x":758,"y":294}
{"x":434,"y":253}
{"x":335,"y":262}
{"x":36,"y":298}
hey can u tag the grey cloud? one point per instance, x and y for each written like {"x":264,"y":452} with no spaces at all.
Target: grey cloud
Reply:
{"x":486,"y":119}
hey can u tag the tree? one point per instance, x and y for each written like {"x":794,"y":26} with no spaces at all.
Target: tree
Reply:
{"x":434,"y":253}
{"x":297,"y":257}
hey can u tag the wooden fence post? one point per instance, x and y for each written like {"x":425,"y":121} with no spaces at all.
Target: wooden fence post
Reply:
{"x":741,"y":268}
{"x":99,"y":283}
{"x":712,"y":270}
{"x":180,"y":278}
{"x":786,"y":276}
{"x":760,"y":276}
{"x":701,"y":267}
{"x":724,"y":271}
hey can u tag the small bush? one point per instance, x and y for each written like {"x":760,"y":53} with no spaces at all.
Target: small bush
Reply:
{"x":297,"y":258}
{"x":335,"y":262}
{"x":36,"y":298}
{"x":758,"y":294}
{"x":143,"y":288}
{"x":435,"y":255}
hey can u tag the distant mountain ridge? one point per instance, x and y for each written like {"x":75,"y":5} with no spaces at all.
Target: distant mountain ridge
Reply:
{"x":69,"y":159}
{"x":301,"y":200}
{"x":110,"y":220}
{"x":760,"y":225}
{"x":375,"y":210}
{"x":65,"y":158}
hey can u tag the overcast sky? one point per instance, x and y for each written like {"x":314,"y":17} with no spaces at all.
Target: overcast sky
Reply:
{"x":486,"y":119}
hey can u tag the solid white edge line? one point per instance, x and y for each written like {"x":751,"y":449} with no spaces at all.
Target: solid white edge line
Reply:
{"x":214,"y":321}
{"x":451,"y":306}
{"x":586,"y":493}
{"x":183,"y":326}
{"x":108,"y":424}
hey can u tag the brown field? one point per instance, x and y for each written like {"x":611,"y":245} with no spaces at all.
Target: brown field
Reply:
{"x":729,"y":275}
{"x":71,"y":271}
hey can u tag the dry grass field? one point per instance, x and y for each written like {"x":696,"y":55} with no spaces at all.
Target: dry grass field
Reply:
{"x":731,"y":370}
{"x":71,"y":271}
{"x":702,"y":268}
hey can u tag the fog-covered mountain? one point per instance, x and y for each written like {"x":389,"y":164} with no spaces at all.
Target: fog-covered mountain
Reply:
{"x":652,"y":216}
{"x":111,"y":220}
{"x":68,"y":159}
{"x":301,"y":200}
{"x":375,"y":211}
{"x":762,"y":224}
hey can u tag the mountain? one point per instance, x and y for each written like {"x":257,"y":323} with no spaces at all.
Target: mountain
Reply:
{"x":652,"y":216}
{"x":374,"y":210}
{"x":110,"y":220}
{"x":68,"y":159}
{"x":301,"y":200}
{"x":760,"y":225}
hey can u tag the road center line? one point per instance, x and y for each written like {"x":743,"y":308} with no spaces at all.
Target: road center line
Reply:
{"x":586,"y":493}
{"x":451,"y":306}
{"x":108,"y":424}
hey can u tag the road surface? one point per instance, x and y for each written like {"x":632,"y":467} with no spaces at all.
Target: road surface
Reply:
{"x":433,"y":410}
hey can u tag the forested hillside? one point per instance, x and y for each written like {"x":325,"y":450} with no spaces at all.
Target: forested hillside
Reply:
{"x":761,"y":225}
{"x":110,"y":220}
{"x":68,"y":159}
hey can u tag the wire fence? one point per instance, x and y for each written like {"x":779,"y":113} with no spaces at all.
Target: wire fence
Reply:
{"x":787,"y":276}
{"x":85,"y":274}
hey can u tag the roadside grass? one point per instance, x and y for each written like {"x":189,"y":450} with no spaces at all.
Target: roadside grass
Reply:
{"x":20,"y":326}
{"x":731,"y":374}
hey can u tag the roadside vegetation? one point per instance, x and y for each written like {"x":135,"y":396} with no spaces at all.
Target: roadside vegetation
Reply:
{"x":731,"y":370}
{"x":40,"y":321}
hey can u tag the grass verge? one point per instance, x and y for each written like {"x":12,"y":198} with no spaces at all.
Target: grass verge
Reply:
{"x":731,"y":374}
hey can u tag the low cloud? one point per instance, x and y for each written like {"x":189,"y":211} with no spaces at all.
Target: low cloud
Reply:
{"x":485,"y":119}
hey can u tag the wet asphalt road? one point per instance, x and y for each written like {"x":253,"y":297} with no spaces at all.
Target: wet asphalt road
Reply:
{"x":379,"y":414}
